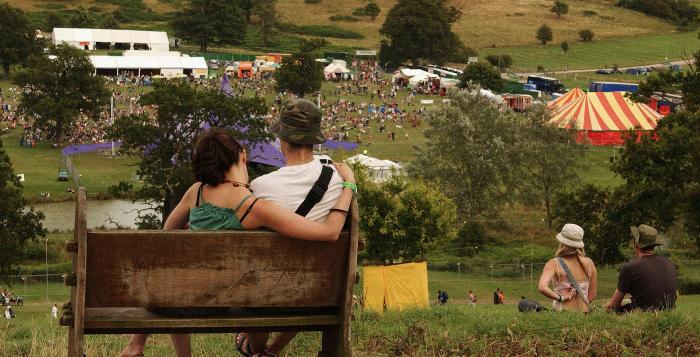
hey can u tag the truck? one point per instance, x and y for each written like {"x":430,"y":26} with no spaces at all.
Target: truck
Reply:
{"x":612,"y":87}
{"x":546,"y":84}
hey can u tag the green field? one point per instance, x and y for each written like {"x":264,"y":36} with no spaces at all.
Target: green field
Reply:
{"x":632,"y":51}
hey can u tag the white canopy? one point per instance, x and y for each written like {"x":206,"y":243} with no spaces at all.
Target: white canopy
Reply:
{"x":148,"y":62}
{"x":379,"y":170}
{"x":156,"y":40}
{"x":409,"y":73}
{"x":337,"y":66}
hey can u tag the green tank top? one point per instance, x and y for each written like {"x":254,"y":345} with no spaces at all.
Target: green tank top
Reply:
{"x":212,"y":217}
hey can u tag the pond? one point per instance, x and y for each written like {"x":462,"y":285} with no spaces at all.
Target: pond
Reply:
{"x":100,"y":213}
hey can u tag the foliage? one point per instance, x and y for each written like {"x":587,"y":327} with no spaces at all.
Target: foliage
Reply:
{"x":109,"y":22}
{"x":312,"y":1}
{"x":666,"y":81}
{"x":18,"y":226}
{"x":121,"y":190}
{"x":586,"y":35}
{"x":472,"y":153}
{"x":500,"y":60}
{"x":16,"y":37}
{"x":589,"y":13}
{"x":56,"y":91}
{"x":264,"y":14}
{"x":82,"y":19}
{"x":320,"y":30}
{"x":165,"y":145}
{"x":470,"y":238}
{"x":53,"y":20}
{"x":564,"y":46}
{"x":401,"y":219}
{"x":300,"y":73}
{"x":682,"y":12}
{"x":371,"y":9}
{"x":553,"y":158}
{"x":344,"y":18}
{"x":544,"y":34}
{"x":559,"y":8}
{"x":419,"y":30}
{"x":482,"y":74}
{"x":219,"y":22}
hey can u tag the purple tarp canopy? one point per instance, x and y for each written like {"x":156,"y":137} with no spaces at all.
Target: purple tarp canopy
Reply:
{"x":335,"y":144}
{"x":85,"y":148}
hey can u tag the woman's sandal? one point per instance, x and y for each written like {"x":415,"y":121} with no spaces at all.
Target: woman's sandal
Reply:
{"x":243,"y":345}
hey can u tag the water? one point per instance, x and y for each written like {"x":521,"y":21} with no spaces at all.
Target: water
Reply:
{"x":61,"y":215}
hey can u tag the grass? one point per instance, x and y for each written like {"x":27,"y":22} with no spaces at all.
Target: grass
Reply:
{"x":632,"y":51}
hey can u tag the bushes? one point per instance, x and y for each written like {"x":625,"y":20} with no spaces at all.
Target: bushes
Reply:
{"x":586,"y":35}
{"x":500,"y":60}
{"x":589,"y":13}
{"x":681,"y":12}
{"x":319,"y":30}
{"x":371,"y":10}
{"x":346,"y":18}
{"x":689,"y":287}
{"x":312,"y":1}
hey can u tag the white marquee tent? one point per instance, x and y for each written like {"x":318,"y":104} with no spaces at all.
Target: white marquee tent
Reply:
{"x":168,"y":66}
{"x":337,"y":67}
{"x":379,"y":170}
{"x":89,"y":39}
{"x":414,"y":76}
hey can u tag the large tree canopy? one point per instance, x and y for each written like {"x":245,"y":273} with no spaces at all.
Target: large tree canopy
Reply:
{"x":17,"y":41}
{"x":18,"y":226}
{"x":419,"y":30}
{"x":300,"y":73}
{"x":57,"y":90}
{"x":211,"y":21}
{"x":482,"y":74}
{"x":165,"y":144}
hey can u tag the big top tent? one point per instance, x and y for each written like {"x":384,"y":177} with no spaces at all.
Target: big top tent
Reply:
{"x":570,"y":96}
{"x":603,"y":117}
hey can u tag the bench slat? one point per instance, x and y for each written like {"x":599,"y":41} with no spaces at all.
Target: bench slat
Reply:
{"x":140,"y":320}
{"x":242,"y":269}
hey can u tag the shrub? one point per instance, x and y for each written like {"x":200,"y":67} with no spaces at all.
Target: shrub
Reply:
{"x":371,"y":10}
{"x":500,"y":60}
{"x":565,"y":46}
{"x":346,"y":18}
{"x":689,"y":287}
{"x":681,"y":12}
{"x":544,"y":34}
{"x":312,"y":1}
{"x":319,"y":30}
{"x":589,"y":13}
{"x":586,"y":35}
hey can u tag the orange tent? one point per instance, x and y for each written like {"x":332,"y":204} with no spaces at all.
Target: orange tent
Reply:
{"x":603,"y":117}
{"x":567,"y":98}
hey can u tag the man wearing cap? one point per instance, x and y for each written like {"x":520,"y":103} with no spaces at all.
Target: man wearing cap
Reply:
{"x":651,"y":279}
{"x":305,"y":186}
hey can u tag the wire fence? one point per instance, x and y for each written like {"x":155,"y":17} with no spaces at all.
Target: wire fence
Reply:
{"x":35,"y":286}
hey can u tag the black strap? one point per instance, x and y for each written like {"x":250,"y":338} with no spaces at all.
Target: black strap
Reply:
{"x":199,"y":193}
{"x":250,"y":208}
{"x":573,"y":281}
{"x":316,"y":193}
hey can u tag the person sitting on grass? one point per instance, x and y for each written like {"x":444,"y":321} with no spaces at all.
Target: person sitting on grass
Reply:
{"x":570,"y":272}
{"x":651,"y":279}
{"x":222,"y":200}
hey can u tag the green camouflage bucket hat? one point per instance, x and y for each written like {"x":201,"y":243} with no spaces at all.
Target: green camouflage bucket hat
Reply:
{"x":645,"y":236}
{"x":299,"y":123}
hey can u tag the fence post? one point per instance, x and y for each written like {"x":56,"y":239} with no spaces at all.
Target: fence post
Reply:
{"x":47,"y":270}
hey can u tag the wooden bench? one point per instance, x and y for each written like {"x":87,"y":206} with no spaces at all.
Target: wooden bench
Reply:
{"x":267,"y":281}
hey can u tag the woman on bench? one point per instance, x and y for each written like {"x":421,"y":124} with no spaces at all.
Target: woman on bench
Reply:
{"x":222,"y":200}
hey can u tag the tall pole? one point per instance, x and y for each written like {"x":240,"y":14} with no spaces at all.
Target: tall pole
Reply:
{"x":111,"y":117}
{"x":532,"y":259}
{"x":47,"y":269}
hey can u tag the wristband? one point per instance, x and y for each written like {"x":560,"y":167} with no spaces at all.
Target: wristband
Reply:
{"x":351,"y":186}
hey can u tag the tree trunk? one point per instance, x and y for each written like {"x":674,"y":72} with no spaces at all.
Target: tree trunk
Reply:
{"x":548,"y":206}
{"x":60,"y":132}
{"x":203,"y":44}
{"x":169,"y":203}
{"x":6,"y":69}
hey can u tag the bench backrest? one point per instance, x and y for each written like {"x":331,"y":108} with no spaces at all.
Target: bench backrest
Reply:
{"x":214,"y":268}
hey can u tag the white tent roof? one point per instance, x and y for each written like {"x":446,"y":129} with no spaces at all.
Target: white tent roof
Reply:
{"x":373,"y":163}
{"x":409,"y":73}
{"x":108,"y":35}
{"x":133,"y":62}
{"x":337,"y":66}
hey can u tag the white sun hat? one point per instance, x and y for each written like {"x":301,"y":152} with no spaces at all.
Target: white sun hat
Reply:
{"x":571,"y":235}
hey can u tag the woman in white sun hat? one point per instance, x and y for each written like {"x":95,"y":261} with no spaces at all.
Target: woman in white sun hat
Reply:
{"x":570,"y":272}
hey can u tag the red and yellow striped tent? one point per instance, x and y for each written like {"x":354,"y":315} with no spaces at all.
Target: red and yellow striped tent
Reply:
{"x":570,"y":96}
{"x":603,"y":117}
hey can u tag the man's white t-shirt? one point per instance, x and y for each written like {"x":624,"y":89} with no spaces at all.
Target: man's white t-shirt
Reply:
{"x":289,"y":186}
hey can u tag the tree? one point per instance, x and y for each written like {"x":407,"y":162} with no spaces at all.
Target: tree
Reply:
{"x":53,"y":20}
{"x":18,"y":224}
{"x":300,"y":73}
{"x":165,"y":144}
{"x":57,"y":90}
{"x":264,"y":14}
{"x":667,"y":81}
{"x":544,"y":34}
{"x":473,"y":154}
{"x":17,"y":40}
{"x":419,"y":30}
{"x":82,"y":19}
{"x":483,"y":74}
{"x":586,"y":35}
{"x":110,"y":22}
{"x":565,"y":46}
{"x":559,"y":8}
{"x":211,"y":21}
{"x":552,"y":160}
{"x":500,"y":60}
{"x":372,"y":10}
{"x":403,"y":218}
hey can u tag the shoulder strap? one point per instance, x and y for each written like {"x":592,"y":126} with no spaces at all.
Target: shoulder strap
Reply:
{"x":199,"y":193}
{"x":317,"y":191}
{"x":242,"y":202}
{"x":573,"y":281}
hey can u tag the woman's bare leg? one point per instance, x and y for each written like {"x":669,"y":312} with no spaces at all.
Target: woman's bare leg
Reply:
{"x":183,"y":344}
{"x":281,"y":341}
{"x":134,"y":347}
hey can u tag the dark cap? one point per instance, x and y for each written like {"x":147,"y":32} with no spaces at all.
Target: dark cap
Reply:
{"x":645,"y":236}
{"x":299,"y":123}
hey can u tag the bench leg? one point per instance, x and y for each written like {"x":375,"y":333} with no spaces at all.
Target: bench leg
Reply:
{"x":75,"y":343}
{"x":335,"y":343}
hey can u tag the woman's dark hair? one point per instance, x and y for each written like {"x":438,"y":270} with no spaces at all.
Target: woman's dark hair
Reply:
{"x":215,"y":152}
